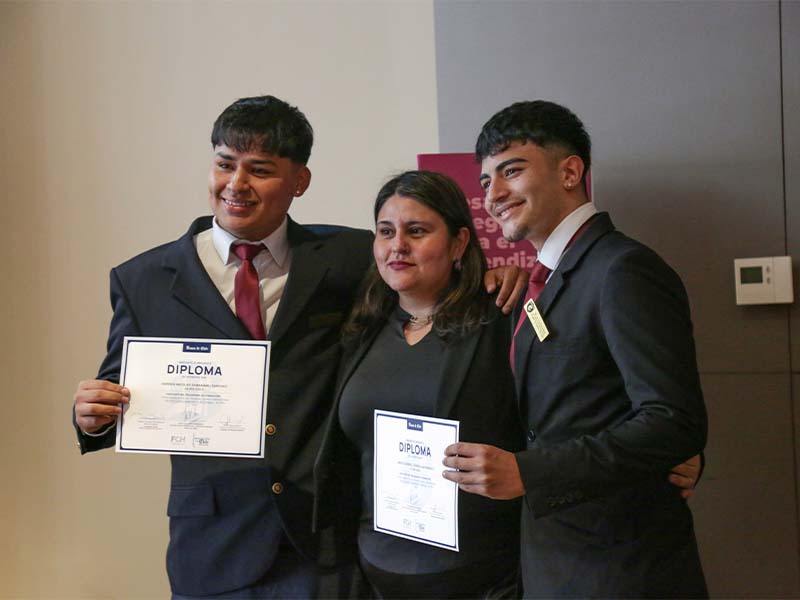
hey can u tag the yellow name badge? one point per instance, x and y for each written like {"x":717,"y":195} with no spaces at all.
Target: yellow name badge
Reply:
{"x":535,"y":317}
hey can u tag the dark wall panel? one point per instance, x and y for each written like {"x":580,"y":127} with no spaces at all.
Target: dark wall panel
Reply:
{"x":683,"y":102}
{"x":790,"y":41}
{"x":744,"y":507}
{"x":790,"y":38}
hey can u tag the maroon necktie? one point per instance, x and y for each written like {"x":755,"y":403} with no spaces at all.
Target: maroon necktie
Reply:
{"x":245,"y":290}
{"x":535,"y":286}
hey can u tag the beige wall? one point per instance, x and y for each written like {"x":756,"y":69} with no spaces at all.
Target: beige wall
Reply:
{"x":106,"y":114}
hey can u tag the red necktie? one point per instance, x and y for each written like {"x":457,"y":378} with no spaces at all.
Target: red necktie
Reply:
{"x":246,"y":292}
{"x":535,"y":286}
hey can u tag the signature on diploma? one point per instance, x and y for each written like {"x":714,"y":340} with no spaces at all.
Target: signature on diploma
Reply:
{"x":201,"y":441}
{"x":417,"y":526}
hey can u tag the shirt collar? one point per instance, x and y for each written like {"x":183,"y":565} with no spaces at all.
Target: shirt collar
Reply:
{"x":556,"y":243}
{"x":276,"y":242}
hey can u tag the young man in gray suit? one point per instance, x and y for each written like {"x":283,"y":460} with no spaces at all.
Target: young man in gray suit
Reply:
{"x":606,"y":376}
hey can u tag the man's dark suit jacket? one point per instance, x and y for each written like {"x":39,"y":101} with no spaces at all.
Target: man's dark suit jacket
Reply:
{"x":226,"y":522}
{"x":476,"y":387}
{"x":611,"y":400}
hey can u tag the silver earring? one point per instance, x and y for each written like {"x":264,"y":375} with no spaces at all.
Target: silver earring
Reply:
{"x":457,"y":264}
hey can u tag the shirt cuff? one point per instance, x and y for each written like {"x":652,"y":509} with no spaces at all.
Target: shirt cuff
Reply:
{"x":100,"y":433}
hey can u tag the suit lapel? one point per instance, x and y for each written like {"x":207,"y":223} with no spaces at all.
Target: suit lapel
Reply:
{"x":351,"y":362}
{"x":600,"y":225}
{"x":309,"y":266}
{"x":192,"y":286}
{"x":457,"y":358}
{"x":523,"y":342}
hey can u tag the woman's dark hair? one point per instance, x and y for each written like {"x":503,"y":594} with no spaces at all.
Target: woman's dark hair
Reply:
{"x":462,"y":306}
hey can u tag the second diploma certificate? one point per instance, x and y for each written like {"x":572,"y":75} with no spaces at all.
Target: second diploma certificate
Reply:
{"x":194,"y":396}
{"x":412,"y":499}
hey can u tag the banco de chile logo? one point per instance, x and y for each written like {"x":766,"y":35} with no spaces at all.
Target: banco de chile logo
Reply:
{"x":195,"y":347}
{"x":414,"y":424}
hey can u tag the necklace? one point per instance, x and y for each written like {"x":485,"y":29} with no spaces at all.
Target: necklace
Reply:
{"x":420,"y":321}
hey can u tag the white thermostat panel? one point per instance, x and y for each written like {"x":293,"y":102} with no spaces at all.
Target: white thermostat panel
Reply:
{"x":766,"y":280}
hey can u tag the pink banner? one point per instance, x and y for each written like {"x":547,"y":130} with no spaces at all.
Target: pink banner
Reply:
{"x":463,"y":169}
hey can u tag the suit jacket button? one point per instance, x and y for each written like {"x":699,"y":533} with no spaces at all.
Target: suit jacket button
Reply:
{"x":531,"y":435}
{"x":270,"y":429}
{"x":277,"y":488}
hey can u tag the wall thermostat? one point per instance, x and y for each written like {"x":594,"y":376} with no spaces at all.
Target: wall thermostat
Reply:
{"x":765,"y":280}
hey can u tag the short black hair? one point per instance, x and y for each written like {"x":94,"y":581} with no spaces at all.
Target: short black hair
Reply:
{"x":267,"y":124}
{"x":546,"y":124}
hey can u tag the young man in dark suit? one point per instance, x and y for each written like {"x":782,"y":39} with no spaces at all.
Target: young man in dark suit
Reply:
{"x":606,"y":377}
{"x":241,"y":528}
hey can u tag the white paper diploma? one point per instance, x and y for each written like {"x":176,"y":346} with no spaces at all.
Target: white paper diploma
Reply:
{"x":412,"y":499}
{"x":194,"y":396}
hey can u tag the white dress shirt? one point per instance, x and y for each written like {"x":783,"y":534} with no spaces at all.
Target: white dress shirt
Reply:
{"x":556,"y":244}
{"x":272,"y":265}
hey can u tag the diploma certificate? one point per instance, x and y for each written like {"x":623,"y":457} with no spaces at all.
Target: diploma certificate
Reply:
{"x":412,"y":500}
{"x":194,"y":396}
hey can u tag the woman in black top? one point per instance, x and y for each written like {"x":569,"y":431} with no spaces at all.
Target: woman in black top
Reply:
{"x":425,"y":338}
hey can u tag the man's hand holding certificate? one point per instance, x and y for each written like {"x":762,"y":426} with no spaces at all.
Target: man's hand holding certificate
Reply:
{"x":412,"y":500}
{"x":197,"y":397}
